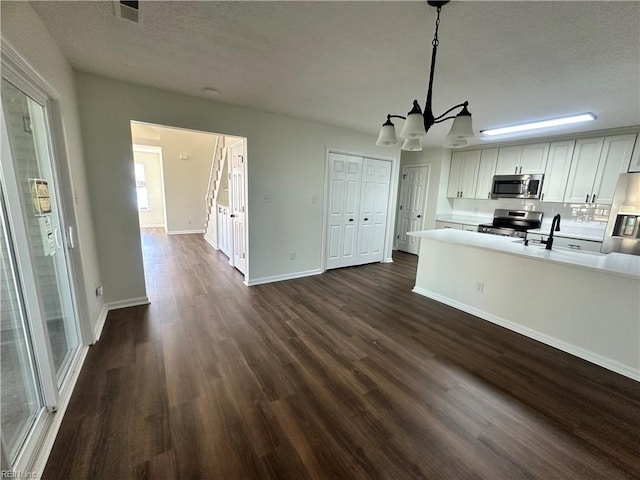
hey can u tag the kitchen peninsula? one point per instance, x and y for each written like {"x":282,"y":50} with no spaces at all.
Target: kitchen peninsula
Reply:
{"x":583,"y":303}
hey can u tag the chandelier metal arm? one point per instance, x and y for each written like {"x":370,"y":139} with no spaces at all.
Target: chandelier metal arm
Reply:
{"x":439,"y":119}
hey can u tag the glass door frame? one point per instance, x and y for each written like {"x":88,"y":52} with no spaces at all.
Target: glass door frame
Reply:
{"x":36,"y":447}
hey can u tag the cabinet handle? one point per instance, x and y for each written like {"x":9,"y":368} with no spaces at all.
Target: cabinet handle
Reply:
{"x":574,"y":246}
{"x":542,"y":197}
{"x":489,"y":195}
{"x":419,"y":216}
{"x":366,"y":219}
{"x":587,"y":199}
{"x":520,"y":170}
{"x":593,"y":199}
{"x":351,"y":219}
{"x":516,"y":171}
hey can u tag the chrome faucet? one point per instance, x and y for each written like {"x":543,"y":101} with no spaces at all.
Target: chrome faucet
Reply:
{"x":555,"y":226}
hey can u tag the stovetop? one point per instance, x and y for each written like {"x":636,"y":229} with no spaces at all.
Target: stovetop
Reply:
{"x":512,"y":223}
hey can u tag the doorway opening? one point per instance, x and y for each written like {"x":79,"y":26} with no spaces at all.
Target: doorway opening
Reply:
{"x":192,"y":182}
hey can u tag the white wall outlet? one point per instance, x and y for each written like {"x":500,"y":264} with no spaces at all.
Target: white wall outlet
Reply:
{"x":479,"y":286}
{"x":99,"y":291}
{"x":266,"y":198}
{"x":314,"y":199}
{"x":292,"y":256}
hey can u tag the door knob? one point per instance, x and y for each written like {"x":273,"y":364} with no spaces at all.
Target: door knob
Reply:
{"x":419,"y":216}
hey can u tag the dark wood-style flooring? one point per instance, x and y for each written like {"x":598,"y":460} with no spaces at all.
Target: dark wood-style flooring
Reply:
{"x":342,"y":375}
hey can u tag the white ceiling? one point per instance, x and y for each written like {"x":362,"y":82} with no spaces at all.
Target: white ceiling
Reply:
{"x":351,"y":63}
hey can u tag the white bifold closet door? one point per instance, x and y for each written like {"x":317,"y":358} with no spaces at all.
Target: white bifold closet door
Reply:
{"x":358,"y":209}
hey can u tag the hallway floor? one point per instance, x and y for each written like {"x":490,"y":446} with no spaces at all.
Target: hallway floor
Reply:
{"x":342,"y":375}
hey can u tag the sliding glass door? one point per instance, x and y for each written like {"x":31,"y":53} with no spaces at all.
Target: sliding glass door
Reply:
{"x":39,"y":325}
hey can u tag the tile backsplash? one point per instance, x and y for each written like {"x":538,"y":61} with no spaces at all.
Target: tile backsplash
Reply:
{"x":574,"y":212}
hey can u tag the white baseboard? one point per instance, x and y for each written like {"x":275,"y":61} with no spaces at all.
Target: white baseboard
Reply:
{"x":184,"y":232}
{"x":107,"y":307}
{"x":388,"y":260}
{"x":130,"y":302}
{"x":100,"y":323}
{"x":280,"y":278}
{"x":40,"y":460}
{"x":211,"y":242}
{"x":587,"y":355}
{"x":152,"y":225}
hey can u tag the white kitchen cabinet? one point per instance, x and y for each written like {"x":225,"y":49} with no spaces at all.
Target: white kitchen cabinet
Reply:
{"x":634,"y":166}
{"x":455,"y":226}
{"x":596,"y":165}
{"x":614,"y":160}
{"x":508,"y":160}
{"x":522,"y":159}
{"x":486,"y":171}
{"x":584,"y":166}
{"x":557,"y":171}
{"x":463,"y":174}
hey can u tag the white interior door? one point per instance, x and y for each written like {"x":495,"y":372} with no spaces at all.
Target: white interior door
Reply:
{"x":413,"y":195}
{"x":344,"y":199}
{"x":238,"y":206}
{"x":374,"y":201}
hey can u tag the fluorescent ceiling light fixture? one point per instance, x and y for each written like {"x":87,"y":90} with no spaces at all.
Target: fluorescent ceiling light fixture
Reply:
{"x":554,"y":122}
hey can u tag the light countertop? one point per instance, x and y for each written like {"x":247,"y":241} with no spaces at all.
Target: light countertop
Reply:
{"x":580,"y":231}
{"x":463,"y":219}
{"x":612,"y":263}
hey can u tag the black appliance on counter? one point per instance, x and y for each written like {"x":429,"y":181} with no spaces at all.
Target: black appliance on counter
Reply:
{"x":512,"y":223}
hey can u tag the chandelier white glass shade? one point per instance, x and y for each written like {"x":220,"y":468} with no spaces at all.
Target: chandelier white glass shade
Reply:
{"x":412,"y":145}
{"x":417,"y":123}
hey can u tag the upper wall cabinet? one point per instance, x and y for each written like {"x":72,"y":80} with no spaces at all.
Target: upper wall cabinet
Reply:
{"x":595,"y":167}
{"x":634,"y":166}
{"x":463,"y":174}
{"x":488,"y":161}
{"x":557,"y":172}
{"x":522,"y":159}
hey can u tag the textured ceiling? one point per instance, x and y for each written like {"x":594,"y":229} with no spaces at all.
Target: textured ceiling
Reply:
{"x":351,"y":63}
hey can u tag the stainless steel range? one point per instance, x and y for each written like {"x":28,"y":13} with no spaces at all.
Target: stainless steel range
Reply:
{"x":512,"y":223}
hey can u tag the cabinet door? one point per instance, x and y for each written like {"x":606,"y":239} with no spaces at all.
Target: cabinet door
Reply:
{"x":486,"y":171}
{"x":557,"y":171}
{"x":469,"y":175}
{"x":634,"y":166}
{"x":374,"y":198}
{"x":582,"y":173}
{"x":508,"y":160}
{"x":470,"y":228}
{"x":534,"y":158}
{"x":614,"y":160}
{"x":454,"y":226}
{"x":344,"y":200}
{"x":455,"y":172}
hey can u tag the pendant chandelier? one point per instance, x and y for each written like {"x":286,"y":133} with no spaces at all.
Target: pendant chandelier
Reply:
{"x":418,"y":123}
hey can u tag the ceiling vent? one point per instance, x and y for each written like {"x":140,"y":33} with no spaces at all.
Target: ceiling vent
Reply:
{"x":126,"y":9}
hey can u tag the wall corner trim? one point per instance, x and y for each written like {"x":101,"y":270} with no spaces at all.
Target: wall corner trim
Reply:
{"x":184,"y":232}
{"x":211,"y":242}
{"x":605,"y":362}
{"x":107,"y":307}
{"x":280,"y":278}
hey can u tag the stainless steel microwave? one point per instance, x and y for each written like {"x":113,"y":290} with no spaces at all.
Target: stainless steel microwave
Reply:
{"x":517,"y":186}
